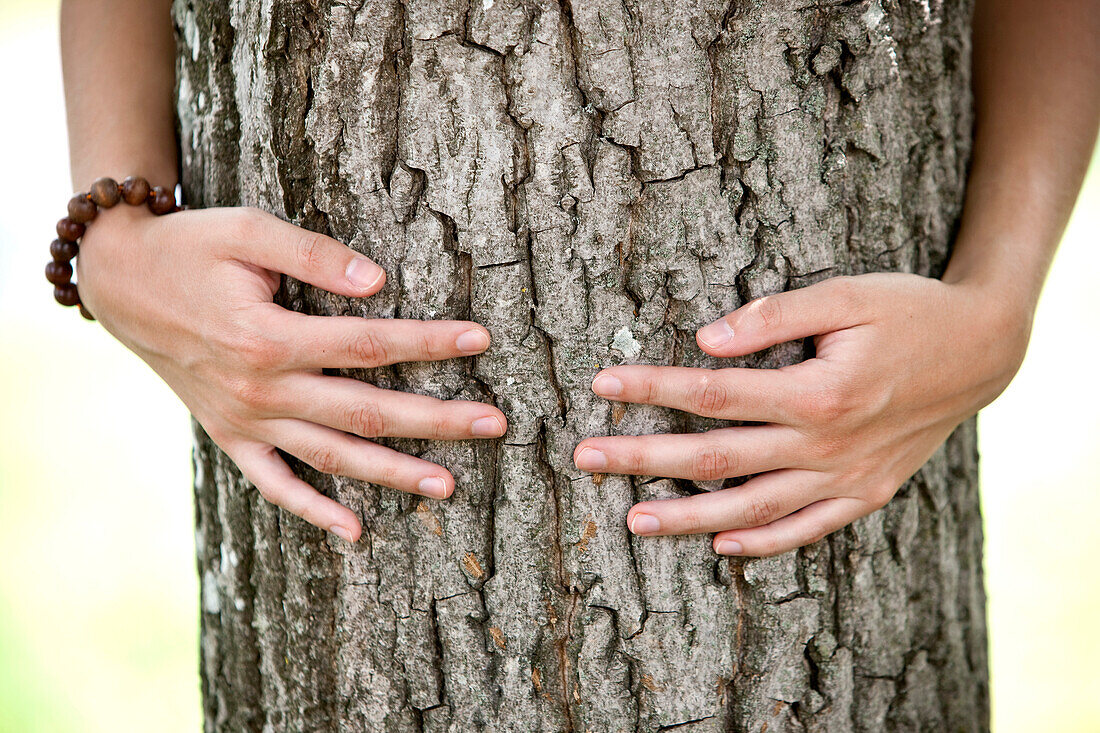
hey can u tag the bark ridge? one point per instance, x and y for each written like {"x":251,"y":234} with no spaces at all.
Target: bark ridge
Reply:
{"x":592,"y":181}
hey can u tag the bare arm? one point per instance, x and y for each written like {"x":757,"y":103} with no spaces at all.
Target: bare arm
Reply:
{"x":1037,"y":93}
{"x":900,"y":359}
{"x":118,"y":60}
{"x":192,"y":292}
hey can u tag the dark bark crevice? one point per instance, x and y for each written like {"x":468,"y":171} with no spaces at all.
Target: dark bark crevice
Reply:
{"x":592,"y":182}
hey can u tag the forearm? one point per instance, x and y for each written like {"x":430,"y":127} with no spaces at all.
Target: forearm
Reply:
{"x":118,"y":63}
{"x":1037,"y":97}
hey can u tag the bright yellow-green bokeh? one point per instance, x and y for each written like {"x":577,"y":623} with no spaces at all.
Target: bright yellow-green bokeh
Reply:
{"x":98,"y":611}
{"x":98,"y":594}
{"x":1040,"y":445}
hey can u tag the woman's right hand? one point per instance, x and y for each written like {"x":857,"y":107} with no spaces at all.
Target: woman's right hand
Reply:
{"x":192,"y":292}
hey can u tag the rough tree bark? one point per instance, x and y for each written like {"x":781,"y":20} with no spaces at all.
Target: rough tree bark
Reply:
{"x":592,"y":181}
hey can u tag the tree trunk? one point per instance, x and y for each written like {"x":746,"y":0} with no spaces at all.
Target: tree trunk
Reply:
{"x":592,"y":181}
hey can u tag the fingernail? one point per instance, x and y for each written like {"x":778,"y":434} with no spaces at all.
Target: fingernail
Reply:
{"x":362,"y":273}
{"x":607,"y":386}
{"x":729,"y":547}
{"x":342,"y":532}
{"x":489,"y":426}
{"x":716,"y":334}
{"x":472,"y":341}
{"x":433,"y":487}
{"x":644,"y":524}
{"x":590,"y":459}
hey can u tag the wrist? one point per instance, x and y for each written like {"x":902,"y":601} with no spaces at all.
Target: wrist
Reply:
{"x":109,"y":222}
{"x":83,"y":209}
{"x":996,"y":321}
{"x":1001,"y":305}
{"x":161,"y":173}
{"x":1002,"y":280}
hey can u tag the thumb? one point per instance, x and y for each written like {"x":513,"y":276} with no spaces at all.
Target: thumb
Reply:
{"x":823,"y":307}
{"x":267,"y":241}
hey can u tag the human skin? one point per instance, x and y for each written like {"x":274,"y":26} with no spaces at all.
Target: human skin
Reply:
{"x":900,"y":359}
{"x":191,"y":293}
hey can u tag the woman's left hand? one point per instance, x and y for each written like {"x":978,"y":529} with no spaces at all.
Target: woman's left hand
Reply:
{"x":900,"y":361}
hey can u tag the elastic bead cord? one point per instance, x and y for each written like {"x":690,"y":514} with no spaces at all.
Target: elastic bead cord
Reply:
{"x":83,"y":207}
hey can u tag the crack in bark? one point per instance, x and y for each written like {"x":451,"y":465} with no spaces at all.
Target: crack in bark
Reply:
{"x":681,"y":724}
{"x":437,"y":650}
{"x":780,"y":219}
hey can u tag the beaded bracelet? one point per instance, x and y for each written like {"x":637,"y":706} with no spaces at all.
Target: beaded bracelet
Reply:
{"x":83,"y":207}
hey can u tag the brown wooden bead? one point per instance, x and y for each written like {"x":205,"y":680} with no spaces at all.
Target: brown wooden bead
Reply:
{"x":135,"y":190}
{"x":59,"y":273}
{"x":84,"y":312}
{"x":66,"y":294}
{"x":63,"y":251}
{"x":81,"y":209}
{"x":105,"y":192}
{"x":69,"y":230}
{"x":162,"y":202}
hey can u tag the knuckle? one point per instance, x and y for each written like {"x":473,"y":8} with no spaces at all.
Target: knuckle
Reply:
{"x":251,"y":394}
{"x":385,"y":473}
{"x":429,"y":346}
{"x":760,"y":510}
{"x":324,"y":458}
{"x":257,"y":352}
{"x":630,"y":456}
{"x":769,"y":311}
{"x":367,"y":420}
{"x":237,"y":336}
{"x":710,"y":396}
{"x":801,"y":405}
{"x":713,"y":461}
{"x":368,"y":349}
{"x":439,"y":424}
{"x":310,"y":250}
{"x":245,"y":224}
{"x":288,"y":501}
{"x":828,"y":404}
{"x":692,"y":518}
{"x":846,"y":291}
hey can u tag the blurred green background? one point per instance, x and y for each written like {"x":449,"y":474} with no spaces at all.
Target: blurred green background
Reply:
{"x":98,"y":593}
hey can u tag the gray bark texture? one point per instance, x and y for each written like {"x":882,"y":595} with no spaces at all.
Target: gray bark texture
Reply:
{"x":591,"y":180}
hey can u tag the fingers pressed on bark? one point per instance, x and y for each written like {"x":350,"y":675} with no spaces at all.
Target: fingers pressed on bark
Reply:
{"x":263,"y":239}
{"x":333,"y":451}
{"x":823,"y":307}
{"x":803,"y":527}
{"x":757,"y":395}
{"x":719,"y":453}
{"x":757,"y":502}
{"x":351,"y":342}
{"x":272,"y":477}
{"x":370,"y":412}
